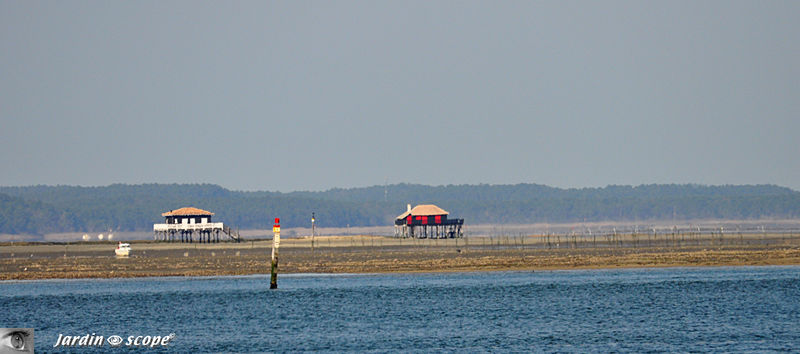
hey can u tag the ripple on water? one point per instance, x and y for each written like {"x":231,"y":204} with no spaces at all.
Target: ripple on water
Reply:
{"x":676,"y":309}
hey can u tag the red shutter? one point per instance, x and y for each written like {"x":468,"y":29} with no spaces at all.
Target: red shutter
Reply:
{"x":409,"y":220}
{"x":438,"y":219}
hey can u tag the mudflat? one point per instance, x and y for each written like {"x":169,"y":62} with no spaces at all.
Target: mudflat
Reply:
{"x":376,"y":254}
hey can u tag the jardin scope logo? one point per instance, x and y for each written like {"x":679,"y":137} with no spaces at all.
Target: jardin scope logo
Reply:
{"x":16,"y":340}
{"x":93,"y":340}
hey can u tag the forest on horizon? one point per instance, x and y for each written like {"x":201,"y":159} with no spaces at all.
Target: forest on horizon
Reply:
{"x":39,"y":210}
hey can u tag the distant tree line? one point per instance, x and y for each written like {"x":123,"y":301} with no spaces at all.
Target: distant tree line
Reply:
{"x":120,"y":207}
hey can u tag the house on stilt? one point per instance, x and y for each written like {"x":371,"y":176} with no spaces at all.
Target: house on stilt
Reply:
{"x":427,"y":221}
{"x":192,"y":225}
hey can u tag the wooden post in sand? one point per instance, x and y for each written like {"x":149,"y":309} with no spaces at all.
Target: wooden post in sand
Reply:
{"x":276,"y":242}
{"x":313,"y":220}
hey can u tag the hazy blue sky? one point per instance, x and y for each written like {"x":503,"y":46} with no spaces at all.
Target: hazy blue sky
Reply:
{"x":301,"y":95}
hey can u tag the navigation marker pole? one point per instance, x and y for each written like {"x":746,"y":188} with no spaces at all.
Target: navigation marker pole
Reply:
{"x":313,"y":219}
{"x":276,"y":242}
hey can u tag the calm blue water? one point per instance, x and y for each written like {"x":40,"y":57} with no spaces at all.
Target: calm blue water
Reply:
{"x":677,"y":309}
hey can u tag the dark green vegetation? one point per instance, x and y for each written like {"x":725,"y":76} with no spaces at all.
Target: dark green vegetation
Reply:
{"x":119,"y":207}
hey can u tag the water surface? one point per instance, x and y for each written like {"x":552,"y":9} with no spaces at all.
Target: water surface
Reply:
{"x":674,"y":309}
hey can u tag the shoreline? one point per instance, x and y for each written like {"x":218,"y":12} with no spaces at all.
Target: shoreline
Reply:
{"x":434,"y":272}
{"x":365,"y":255}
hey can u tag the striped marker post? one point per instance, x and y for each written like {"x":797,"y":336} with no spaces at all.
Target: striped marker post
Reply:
{"x":276,"y":242}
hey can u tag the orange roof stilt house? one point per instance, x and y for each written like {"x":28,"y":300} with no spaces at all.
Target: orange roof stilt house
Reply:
{"x":427,"y":220}
{"x":188,"y":221}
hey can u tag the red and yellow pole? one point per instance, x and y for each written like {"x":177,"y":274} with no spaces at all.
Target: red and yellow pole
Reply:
{"x":276,"y":242}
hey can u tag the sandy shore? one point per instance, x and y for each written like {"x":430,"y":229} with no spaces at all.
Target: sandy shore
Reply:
{"x":372,"y":254}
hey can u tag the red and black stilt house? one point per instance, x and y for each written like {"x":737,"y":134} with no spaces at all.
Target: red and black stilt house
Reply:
{"x":427,"y":221}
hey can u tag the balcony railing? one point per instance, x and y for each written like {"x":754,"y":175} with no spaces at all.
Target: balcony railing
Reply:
{"x":187,"y":227}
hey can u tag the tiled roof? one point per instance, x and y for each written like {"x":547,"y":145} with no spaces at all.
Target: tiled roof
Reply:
{"x":187,"y":211}
{"x":424,"y":210}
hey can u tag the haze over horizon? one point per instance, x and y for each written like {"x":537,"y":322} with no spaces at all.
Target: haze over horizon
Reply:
{"x":394,"y":185}
{"x":292,"y":96}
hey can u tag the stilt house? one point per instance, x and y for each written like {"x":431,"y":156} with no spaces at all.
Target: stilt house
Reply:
{"x":427,"y":221}
{"x":189,"y":221}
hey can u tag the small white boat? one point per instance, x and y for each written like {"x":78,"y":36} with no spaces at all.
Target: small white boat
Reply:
{"x":123,"y":249}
